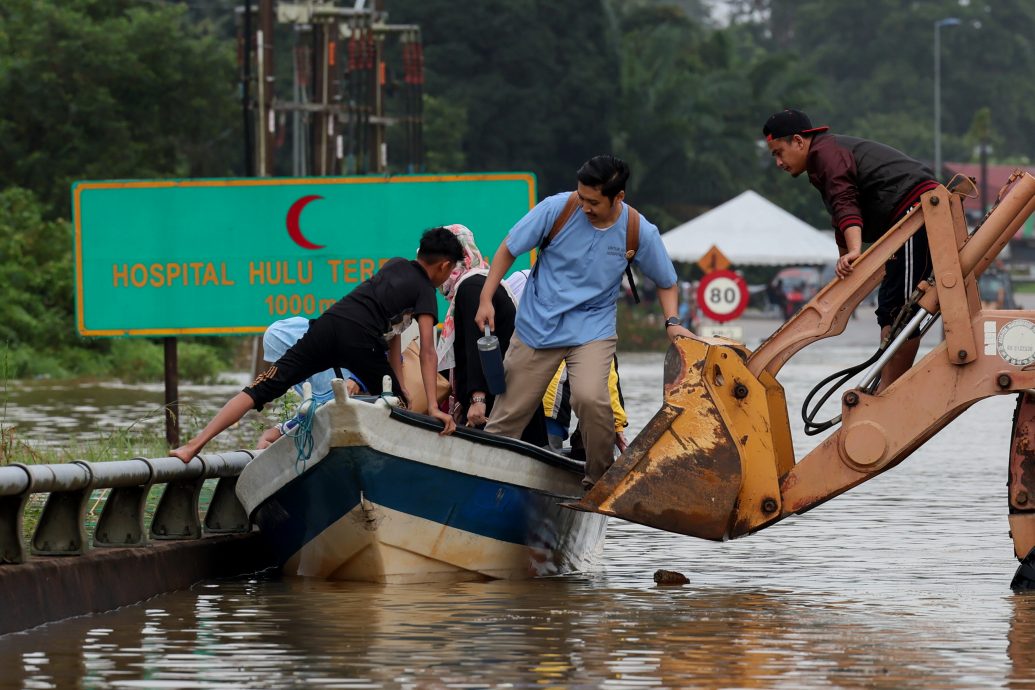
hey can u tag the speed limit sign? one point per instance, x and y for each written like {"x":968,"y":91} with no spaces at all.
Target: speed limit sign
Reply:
{"x":722,"y":295}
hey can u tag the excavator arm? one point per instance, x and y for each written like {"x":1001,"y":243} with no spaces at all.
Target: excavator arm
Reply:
{"x":717,"y":461}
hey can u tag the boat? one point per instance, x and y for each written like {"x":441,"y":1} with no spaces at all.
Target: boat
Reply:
{"x":380,"y":496}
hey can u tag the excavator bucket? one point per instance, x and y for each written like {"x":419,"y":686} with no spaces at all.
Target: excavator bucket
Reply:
{"x":708,"y":464}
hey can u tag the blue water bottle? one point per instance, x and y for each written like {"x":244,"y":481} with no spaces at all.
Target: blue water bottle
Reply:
{"x":492,"y":362}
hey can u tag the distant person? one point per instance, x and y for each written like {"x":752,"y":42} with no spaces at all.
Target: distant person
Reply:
{"x":569,"y":308}
{"x":777,"y":297}
{"x":360,"y":332}
{"x":557,"y":406}
{"x":868,"y":188}
{"x":687,"y":306}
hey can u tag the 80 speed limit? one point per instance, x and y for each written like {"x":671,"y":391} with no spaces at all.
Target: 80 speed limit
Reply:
{"x":722,"y":295}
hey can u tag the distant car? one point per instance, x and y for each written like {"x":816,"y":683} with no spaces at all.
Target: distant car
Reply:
{"x":996,"y":290}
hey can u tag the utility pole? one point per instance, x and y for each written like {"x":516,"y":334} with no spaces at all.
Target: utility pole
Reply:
{"x":378,"y":141}
{"x":266,"y":118}
{"x":246,"y":91}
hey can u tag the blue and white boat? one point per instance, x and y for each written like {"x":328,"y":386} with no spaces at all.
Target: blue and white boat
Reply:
{"x":384,"y":498}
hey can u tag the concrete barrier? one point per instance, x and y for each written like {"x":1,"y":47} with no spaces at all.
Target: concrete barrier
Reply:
{"x":50,"y":588}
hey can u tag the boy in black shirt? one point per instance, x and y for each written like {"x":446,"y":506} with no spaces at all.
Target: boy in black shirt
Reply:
{"x":355,"y":333}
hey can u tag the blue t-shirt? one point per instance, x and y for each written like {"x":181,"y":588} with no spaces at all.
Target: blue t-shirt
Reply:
{"x":571,"y":298}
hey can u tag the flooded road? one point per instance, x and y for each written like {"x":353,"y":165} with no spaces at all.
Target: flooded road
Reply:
{"x":901,"y":583}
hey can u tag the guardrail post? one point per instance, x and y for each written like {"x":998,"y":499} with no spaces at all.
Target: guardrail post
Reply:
{"x":12,"y":541}
{"x":176,"y":516}
{"x":122,"y":520}
{"x":225,"y":513}
{"x":60,"y":530}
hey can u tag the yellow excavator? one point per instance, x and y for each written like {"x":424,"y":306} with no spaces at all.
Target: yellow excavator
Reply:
{"x":717,"y":461}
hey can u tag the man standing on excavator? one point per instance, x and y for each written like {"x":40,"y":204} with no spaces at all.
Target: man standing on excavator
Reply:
{"x":867,"y":188}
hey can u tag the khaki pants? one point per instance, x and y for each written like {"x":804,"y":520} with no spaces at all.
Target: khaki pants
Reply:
{"x":528,"y":372}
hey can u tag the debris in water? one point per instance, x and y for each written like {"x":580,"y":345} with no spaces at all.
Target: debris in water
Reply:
{"x":670,"y":577}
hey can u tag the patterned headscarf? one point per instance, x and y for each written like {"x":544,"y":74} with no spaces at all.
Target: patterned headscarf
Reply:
{"x":473,"y":264}
{"x":472,"y":260}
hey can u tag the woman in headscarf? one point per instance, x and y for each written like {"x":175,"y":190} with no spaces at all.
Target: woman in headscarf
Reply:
{"x":458,"y":344}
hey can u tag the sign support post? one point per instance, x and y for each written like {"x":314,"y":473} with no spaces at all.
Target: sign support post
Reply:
{"x":172,"y":394}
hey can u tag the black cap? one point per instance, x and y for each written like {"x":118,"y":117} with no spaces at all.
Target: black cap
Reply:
{"x":788,"y":122}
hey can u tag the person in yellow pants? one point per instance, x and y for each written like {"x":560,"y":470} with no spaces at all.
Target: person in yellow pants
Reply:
{"x":557,"y":407}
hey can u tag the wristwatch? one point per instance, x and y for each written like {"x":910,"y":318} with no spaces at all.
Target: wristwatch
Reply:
{"x":477,"y":399}
{"x":672,"y":321}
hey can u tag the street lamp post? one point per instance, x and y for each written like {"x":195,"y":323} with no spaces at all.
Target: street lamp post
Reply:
{"x":948,"y":21}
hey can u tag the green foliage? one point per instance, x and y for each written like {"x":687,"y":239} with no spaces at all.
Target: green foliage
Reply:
{"x":102,"y":89}
{"x":543,"y":86}
{"x":135,"y":360}
{"x":876,"y":62}
{"x":536,"y":79}
{"x":689,"y":110}
{"x":200,"y":363}
{"x":25,"y":362}
{"x":35,"y":274}
{"x":445,"y":126}
{"x":96,"y":89}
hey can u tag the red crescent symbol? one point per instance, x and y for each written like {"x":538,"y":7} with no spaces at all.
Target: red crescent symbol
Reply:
{"x":294,"y":231}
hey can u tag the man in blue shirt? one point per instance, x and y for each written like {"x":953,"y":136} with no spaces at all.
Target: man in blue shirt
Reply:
{"x":569,"y":308}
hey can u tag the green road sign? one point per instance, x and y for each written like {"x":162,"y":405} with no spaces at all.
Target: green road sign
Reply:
{"x":217,"y":257}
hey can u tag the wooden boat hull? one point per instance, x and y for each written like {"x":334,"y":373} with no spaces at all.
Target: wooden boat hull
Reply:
{"x":384,"y":499}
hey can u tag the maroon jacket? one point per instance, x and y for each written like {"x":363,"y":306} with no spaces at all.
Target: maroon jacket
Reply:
{"x":864,"y":182}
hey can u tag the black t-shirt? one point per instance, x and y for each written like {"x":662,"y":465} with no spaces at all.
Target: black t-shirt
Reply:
{"x":384,"y":305}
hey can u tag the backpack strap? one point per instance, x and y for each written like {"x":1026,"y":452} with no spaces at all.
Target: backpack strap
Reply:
{"x":632,"y":244}
{"x":632,"y":237}
{"x":566,"y":213}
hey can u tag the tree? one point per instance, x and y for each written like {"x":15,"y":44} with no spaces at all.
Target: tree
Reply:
{"x":445,"y":126}
{"x":93,"y":89}
{"x":36,"y":275}
{"x":537,"y":80}
{"x":692,"y":106}
{"x":101,"y":89}
{"x":875,"y":60}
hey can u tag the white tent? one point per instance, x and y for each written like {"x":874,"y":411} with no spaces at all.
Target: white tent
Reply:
{"x":750,"y":230}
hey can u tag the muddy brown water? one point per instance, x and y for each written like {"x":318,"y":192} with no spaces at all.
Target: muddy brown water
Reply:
{"x":900,"y":583}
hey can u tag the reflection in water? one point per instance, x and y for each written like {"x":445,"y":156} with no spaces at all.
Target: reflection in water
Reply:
{"x":1021,"y":643}
{"x":901,"y":583}
{"x":563,"y":632}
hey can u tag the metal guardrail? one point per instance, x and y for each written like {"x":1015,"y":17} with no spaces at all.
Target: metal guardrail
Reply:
{"x":61,"y":530}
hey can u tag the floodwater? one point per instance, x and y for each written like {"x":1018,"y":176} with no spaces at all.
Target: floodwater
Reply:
{"x":900,"y":583}
{"x":62,"y":413}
